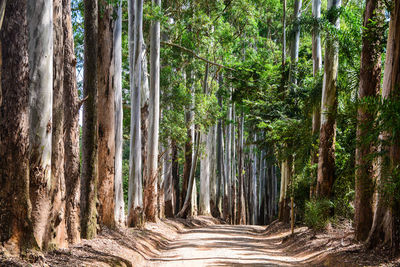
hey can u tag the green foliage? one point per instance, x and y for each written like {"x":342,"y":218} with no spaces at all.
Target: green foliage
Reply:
{"x":317,"y":213}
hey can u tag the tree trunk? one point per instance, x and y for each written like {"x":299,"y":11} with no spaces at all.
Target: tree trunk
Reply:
{"x":89,"y":128}
{"x":136,"y":56}
{"x":16,"y":232}
{"x":219,"y":154}
{"x":386,"y":223}
{"x":119,"y":211}
{"x":284,"y":210}
{"x":2,"y":9}
{"x":326,"y":160}
{"x":106,"y":117}
{"x":168,"y":183}
{"x":150,"y":190}
{"x":228,"y":165}
{"x":241,"y":217}
{"x":254,"y":186}
{"x":234,"y":180}
{"x":317,"y":65}
{"x":370,"y":81}
{"x":71,"y":131}
{"x":175,"y":176}
{"x":294,"y":55}
{"x":57,"y":229}
{"x":213,"y":170}
{"x":40,"y":17}
{"x":205,"y":171}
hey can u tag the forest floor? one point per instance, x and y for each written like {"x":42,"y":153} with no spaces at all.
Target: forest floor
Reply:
{"x":205,"y":241}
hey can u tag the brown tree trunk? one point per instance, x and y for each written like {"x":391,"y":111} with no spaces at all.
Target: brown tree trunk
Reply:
{"x":241,"y":217}
{"x":89,"y":128}
{"x":386,"y":224}
{"x":57,"y":229}
{"x":326,"y":160}
{"x":16,"y":232}
{"x":106,"y":116}
{"x":370,"y":78}
{"x":71,"y":131}
{"x":175,"y":177}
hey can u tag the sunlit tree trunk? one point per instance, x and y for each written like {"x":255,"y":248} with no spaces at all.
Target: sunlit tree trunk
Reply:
{"x":326,"y":160}
{"x":228,"y":165}
{"x":71,"y":131}
{"x":370,"y":81}
{"x":317,"y":65}
{"x":16,"y":232}
{"x":150,"y":191}
{"x":213,"y":170}
{"x":204,"y":205}
{"x":57,"y":228}
{"x":168,"y":183}
{"x":40,"y":29}
{"x":106,"y":116}
{"x":386,"y":223}
{"x":284,"y":212}
{"x":294,"y":53}
{"x":219,"y":155}
{"x":119,"y":211}
{"x":254,"y":209}
{"x":136,"y":56}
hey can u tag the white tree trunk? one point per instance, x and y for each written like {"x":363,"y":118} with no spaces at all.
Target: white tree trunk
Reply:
{"x":294,"y":55}
{"x":136,"y":55}
{"x":154,"y":113}
{"x":119,"y":211}
{"x":204,"y":207}
{"x":40,"y":17}
{"x":228,"y":152}
{"x":213,"y":168}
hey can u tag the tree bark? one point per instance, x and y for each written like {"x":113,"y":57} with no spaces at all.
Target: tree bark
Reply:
{"x":16,"y":232}
{"x":106,"y":116}
{"x":205,"y":172}
{"x":119,"y":211}
{"x":234,"y":180}
{"x":326,"y":160}
{"x":317,"y":65}
{"x":136,"y":56}
{"x":57,"y":229}
{"x":71,"y":131}
{"x":385,"y":228}
{"x":175,"y":176}
{"x":294,"y":55}
{"x":40,"y":48}
{"x":89,"y":180}
{"x":150,"y":191}
{"x":370,"y":82}
{"x":241,"y":217}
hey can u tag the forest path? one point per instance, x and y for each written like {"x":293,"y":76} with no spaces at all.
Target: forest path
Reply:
{"x":233,"y":245}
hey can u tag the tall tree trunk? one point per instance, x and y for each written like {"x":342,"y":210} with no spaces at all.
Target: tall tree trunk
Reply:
{"x":106,"y":116}
{"x":16,"y":232}
{"x":219,"y":154}
{"x":213,"y":170}
{"x":71,"y":131}
{"x":89,"y":129}
{"x":317,"y":65}
{"x":40,"y":17}
{"x":168,"y":183}
{"x":262,"y":188}
{"x":205,"y":173}
{"x":2,"y":9}
{"x":241,"y":217}
{"x":284,"y":210}
{"x":57,"y":229}
{"x":294,"y":53}
{"x":234,"y":180}
{"x":283,"y":64}
{"x":370,"y":81}
{"x":119,"y":211}
{"x":136,"y":56}
{"x":386,"y":223}
{"x":189,"y":143}
{"x":228,"y":165}
{"x":326,"y":160}
{"x":254,"y":186}
{"x":150,"y":191}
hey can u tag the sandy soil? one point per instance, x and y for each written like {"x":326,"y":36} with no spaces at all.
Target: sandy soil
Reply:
{"x":205,"y":241}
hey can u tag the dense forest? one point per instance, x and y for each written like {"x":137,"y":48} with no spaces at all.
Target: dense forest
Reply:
{"x":119,"y":113}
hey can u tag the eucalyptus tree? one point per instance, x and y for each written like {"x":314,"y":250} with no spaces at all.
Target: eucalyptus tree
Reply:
{"x":326,"y":159}
{"x":16,"y":231}
{"x":40,"y":49}
{"x":106,"y":116}
{"x":370,"y":84}
{"x":151,"y":187}
{"x":136,"y":57}
{"x":119,"y":210}
{"x":58,"y":190}
{"x":317,"y":65}
{"x":386,"y":222}
{"x":71,"y":130}
{"x":89,"y":180}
